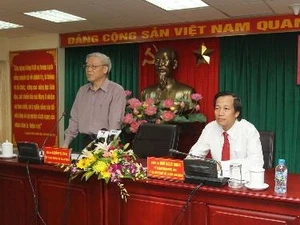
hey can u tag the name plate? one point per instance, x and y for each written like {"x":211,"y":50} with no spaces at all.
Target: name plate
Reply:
{"x":55,"y":155}
{"x":164,"y":168}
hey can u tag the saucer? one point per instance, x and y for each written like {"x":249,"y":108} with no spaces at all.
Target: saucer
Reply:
{"x":263,"y":187}
{"x":8,"y":157}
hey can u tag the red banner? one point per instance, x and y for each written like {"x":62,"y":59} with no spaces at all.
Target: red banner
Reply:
{"x":34,"y":96}
{"x":274,"y":24}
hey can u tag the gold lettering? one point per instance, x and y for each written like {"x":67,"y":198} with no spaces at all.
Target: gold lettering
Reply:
{"x":228,"y":28}
{"x":286,"y":23}
{"x":145,"y":34}
{"x":201,"y":29}
{"x":116,"y":37}
{"x":71,"y":40}
{"x":277,"y":24}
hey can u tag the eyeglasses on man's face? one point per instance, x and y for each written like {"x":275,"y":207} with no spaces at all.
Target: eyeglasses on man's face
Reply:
{"x":93,"y":67}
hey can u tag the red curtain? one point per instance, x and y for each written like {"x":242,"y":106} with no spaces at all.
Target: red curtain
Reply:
{"x":203,"y":77}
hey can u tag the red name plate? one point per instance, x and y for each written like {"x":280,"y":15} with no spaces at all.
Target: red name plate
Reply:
{"x":54,"y":155}
{"x":164,"y":168}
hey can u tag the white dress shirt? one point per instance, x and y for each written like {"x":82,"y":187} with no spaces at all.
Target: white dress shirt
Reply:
{"x":245,"y":145}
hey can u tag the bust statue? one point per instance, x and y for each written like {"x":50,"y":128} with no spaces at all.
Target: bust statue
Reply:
{"x":166,"y":61}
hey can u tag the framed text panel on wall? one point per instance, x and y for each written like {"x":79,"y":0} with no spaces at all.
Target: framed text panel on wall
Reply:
{"x":34,"y":96}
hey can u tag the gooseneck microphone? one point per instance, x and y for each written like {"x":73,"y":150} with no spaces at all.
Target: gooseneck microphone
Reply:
{"x":53,"y":128}
{"x":174,"y":151}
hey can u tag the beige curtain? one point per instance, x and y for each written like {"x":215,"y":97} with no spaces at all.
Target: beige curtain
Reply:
{"x":5,"y":103}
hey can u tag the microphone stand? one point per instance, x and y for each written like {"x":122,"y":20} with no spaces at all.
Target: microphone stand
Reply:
{"x":53,"y":128}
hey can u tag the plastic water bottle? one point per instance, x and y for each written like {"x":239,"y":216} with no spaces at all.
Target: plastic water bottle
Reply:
{"x":281,"y":173}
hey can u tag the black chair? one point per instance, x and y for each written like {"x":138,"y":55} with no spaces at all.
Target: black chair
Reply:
{"x":267,"y":142}
{"x":155,"y":140}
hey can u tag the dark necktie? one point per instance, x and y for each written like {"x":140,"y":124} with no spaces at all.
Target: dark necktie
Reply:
{"x":226,"y":148}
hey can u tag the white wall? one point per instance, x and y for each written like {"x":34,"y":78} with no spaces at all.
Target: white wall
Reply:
{"x":34,"y":42}
{"x":47,"y":41}
{"x":4,"y":46}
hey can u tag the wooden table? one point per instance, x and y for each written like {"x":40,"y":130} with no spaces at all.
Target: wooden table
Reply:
{"x":151,"y":202}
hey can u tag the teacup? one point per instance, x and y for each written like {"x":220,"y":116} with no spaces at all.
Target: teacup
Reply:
{"x":257,"y":177}
{"x":7,"y":149}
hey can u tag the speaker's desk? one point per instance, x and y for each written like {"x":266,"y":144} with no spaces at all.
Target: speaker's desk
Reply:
{"x":151,"y":202}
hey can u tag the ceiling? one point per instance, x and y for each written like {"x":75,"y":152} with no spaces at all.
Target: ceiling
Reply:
{"x":111,"y":14}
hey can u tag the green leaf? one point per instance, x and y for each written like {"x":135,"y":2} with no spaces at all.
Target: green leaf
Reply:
{"x":196,"y":117}
{"x":87,"y":175}
{"x":180,"y":119}
{"x":66,"y":169}
{"x":126,"y":146}
{"x":74,"y":176}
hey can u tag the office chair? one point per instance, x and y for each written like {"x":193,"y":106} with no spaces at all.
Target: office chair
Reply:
{"x":155,"y":140}
{"x":267,"y":142}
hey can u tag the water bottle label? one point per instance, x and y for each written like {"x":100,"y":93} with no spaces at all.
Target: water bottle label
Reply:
{"x":280,"y":176}
{"x":280,"y":182}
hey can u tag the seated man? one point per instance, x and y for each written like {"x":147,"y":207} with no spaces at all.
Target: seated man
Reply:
{"x":229,"y":138}
{"x":166,"y":61}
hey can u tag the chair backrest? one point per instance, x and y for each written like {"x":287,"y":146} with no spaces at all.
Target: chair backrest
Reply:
{"x":267,"y":142}
{"x":155,"y":140}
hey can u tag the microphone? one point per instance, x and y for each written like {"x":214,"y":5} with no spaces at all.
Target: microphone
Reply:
{"x":187,"y":154}
{"x":53,"y":128}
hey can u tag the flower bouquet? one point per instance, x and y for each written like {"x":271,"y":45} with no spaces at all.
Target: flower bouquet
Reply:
{"x":111,"y":162}
{"x":166,"y":111}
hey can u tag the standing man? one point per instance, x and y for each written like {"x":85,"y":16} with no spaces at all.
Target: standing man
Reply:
{"x":100,"y":104}
{"x":166,"y":62}
{"x":229,"y":138}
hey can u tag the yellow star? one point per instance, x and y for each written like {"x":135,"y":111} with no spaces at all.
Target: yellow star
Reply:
{"x":203,"y":54}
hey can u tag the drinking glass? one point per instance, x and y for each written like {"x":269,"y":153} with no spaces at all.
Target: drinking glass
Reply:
{"x":236,"y":180}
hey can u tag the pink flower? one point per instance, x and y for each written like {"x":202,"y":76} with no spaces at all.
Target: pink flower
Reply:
{"x":150,"y":110}
{"x":168,"y":103}
{"x":196,"y":97}
{"x":134,"y":103}
{"x":128,"y":93}
{"x":135,"y":125}
{"x":138,"y":112}
{"x":128,"y":118}
{"x":167,"y":115}
{"x":149,"y":101}
{"x":106,"y":154}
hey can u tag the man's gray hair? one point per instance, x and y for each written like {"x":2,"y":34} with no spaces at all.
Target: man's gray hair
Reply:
{"x":104,"y":58}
